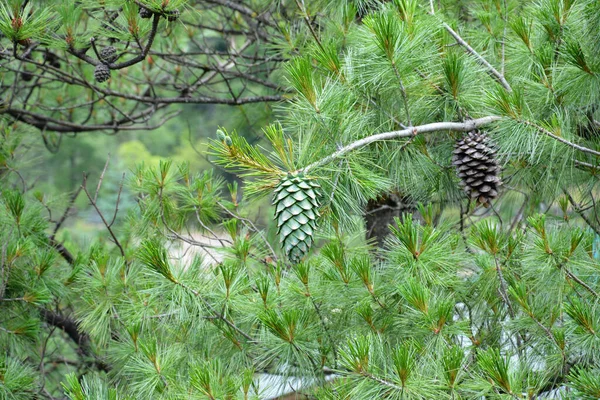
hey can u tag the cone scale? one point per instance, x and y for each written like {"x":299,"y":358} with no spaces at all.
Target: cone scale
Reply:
{"x":296,"y":212}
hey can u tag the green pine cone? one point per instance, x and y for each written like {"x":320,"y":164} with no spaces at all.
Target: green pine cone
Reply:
{"x":296,"y":211}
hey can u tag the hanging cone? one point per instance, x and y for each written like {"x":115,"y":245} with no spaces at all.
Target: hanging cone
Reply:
{"x":109,"y":54}
{"x":145,"y":13}
{"x":296,"y":211}
{"x":477,"y":167}
{"x":102,"y":73}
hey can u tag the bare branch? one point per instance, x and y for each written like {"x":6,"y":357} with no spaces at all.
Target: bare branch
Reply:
{"x":106,"y":224}
{"x":408,"y":132}
{"x":497,"y":75}
{"x":560,"y":139}
{"x":63,"y":218}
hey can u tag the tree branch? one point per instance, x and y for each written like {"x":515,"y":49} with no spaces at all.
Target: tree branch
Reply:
{"x":577,"y":207}
{"x":71,"y":328}
{"x":408,"y":132}
{"x":493,"y":71}
{"x":67,"y":325}
{"x":63,"y":218}
{"x":62,"y":250}
{"x":558,"y":138}
{"x":242,"y":9}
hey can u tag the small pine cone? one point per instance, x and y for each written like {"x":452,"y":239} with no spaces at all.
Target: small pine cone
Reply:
{"x":145,"y":13}
{"x":52,"y":60}
{"x":109,"y":54}
{"x":27,"y":76}
{"x":296,"y":212}
{"x":25,"y":42}
{"x":477,"y":167}
{"x":173,"y":16}
{"x":102,"y":73}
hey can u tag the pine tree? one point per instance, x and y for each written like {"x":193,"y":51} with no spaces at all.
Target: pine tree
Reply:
{"x":480,"y":295}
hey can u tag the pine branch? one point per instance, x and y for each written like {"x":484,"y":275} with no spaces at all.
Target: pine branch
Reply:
{"x":581,"y":212}
{"x":62,"y":250}
{"x":493,"y":71}
{"x":408,"y":132}
{"x":64,"y":216}
{"x":576,"y":279}
{"x":71,"y":329}
{"x":381,"y":381}
{"x":587,"y":165}
{"x":558,"y":138}
{"x":217,"y":314}
{"x":306,"y":19}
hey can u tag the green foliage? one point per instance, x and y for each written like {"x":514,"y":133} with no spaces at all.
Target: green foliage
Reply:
{"x":20,"y":22}
{"x":18,"y":379}
{"x":89,"y":387}
{"x":188,"y":294}
{"x":586,"y":383}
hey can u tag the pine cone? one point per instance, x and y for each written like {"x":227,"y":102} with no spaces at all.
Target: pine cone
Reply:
{"x":145,"y":13}
{"x":477,"y":167}
{"x":52,"y":59}
{"x":173,"y":16}
{"x":109,"y":54}
{"x":27,"y":76}
{"x":296,"y":214}
{"x":102,"y":73}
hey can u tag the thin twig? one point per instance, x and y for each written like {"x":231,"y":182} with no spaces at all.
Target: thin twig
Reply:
{"x":497,"y":75}
{"x":560,"y":139}
{"x":381,"y":381}
{"x":101,"y":178}
{"x":251,"y":225}
{"x":108,"y":227}
{"x":579,"y":211}
{"x":216,"y":313}
{"x":118,"y":201}
{"x":3,"y":253}
{"x":177,"y":235}
{"x":519,"y":215}
{"x":66,"y":213}
{"x":587,"y":165}
{"x":327,"y":332}
{"x":308,"y":23}
{"x":224,"y":242}
{"x":503,"y":291}
{"x":574,"y":277}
